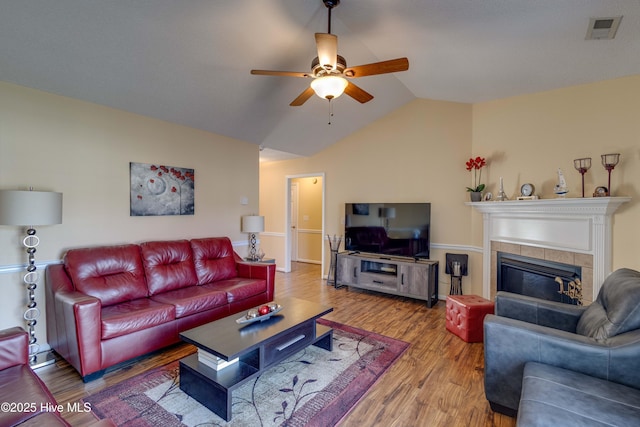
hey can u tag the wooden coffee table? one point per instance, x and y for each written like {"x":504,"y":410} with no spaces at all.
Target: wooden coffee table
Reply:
{"x":256,"y":346}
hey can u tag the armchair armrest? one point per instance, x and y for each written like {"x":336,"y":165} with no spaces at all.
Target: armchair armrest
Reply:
{"x":510,"y":343}
{"x":538,"y":311}
{"x":14,"y":347}
{"x":252,"y":270}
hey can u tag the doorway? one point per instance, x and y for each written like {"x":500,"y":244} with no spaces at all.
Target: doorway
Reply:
{"x":293,"y":226}
{"x":305,"y":219}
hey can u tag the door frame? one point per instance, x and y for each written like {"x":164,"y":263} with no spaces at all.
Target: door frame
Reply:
{"x":294,"y":192}
{"x":287,"y":225}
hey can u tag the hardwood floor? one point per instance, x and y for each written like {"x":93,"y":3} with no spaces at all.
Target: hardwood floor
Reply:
{"x":437,"y":382}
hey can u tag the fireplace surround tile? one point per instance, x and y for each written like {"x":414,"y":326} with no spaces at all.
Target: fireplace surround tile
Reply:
{"x":532,"y":252}
{"x":559,"y":256}
{"x":584,"y":260}
{"x":510,"y":248}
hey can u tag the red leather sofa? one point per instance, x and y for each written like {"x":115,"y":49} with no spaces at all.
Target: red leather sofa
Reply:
{"x":25,"y":398}
{"x":106,"y":305}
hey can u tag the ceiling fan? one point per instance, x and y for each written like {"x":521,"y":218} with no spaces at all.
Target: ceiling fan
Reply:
{"x":328,"y":69}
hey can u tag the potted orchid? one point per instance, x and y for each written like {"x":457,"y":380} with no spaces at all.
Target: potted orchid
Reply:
{"x":476,"y":166}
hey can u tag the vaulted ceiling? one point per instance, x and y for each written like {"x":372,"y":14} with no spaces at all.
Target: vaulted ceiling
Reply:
{"x":188,"y":61}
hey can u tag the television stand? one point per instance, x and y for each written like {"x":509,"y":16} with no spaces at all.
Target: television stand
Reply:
{"x":395,"y":275}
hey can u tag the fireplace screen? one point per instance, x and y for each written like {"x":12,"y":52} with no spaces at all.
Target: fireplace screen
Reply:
{"x":538,"y":278}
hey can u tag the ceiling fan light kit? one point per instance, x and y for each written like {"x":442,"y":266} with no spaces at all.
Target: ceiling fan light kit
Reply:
{"x":329,"y":87}
{"x":329,"y":70}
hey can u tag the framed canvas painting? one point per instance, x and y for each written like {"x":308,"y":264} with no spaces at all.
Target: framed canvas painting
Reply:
{"x":161,"y":190}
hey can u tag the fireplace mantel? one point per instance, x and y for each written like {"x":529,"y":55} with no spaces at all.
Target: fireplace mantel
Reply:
{"x":581,"y":225}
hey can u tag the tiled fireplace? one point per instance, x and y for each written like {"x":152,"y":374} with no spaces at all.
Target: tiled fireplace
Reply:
{"x":576,"y":232}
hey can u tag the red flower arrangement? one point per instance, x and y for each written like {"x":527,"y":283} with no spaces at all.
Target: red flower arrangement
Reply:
{"x":476,"y":166}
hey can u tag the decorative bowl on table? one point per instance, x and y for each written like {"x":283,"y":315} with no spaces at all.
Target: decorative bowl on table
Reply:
{"x":254,"y":315}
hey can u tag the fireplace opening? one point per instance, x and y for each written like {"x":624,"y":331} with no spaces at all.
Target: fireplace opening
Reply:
{"x":539,"y":278}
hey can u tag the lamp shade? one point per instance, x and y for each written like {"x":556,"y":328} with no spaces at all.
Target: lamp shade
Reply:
{"x":329,"y":87}
{"x":26,"y":208}
{"x":252,"y":224}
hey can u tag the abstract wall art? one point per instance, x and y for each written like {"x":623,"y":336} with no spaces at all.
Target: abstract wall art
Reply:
{"x":161,"y":190}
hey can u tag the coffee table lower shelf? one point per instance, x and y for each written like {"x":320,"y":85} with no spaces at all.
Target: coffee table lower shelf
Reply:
{"x":213,"y":389}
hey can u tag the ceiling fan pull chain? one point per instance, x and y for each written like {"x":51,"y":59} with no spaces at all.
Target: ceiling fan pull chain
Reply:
{"x":330,"y":112}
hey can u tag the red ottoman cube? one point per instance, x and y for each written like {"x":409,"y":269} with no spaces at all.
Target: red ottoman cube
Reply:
{"x":465,"y":314}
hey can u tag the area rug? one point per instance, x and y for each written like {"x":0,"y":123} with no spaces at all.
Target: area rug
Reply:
{"x":314,"y":387}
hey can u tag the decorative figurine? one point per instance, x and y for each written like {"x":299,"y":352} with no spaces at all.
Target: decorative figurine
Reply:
{"x":502,"y":196}
{"x":561,"y":189}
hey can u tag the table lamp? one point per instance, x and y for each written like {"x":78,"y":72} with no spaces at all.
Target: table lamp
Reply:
{"x":252,"y":224}
{"x":30,"y":208}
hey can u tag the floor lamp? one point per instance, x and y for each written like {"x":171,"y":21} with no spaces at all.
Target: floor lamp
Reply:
{"x":252,"y":224}
{"x":30,"y":208}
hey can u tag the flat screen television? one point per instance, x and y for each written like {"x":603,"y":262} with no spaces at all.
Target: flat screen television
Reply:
{"x":400,"y":229}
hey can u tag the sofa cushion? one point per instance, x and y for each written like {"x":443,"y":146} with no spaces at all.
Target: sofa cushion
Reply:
{"x":168,"y":265}
{"x":113,"y":274}
{"x":214,"y":259}
{"x":131,"y":316}
{"x":194,"y":299}
{"x":616,"y":309}
{"x":239,"y":288}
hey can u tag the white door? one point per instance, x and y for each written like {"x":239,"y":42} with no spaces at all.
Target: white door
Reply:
{"x":294,"y":221}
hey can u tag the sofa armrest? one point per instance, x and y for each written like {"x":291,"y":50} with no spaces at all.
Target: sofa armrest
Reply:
{"x":537,"y":311}
{"x":79,"y":320}
{"x":14,"y":347}
{"x":252,"y":270}
{"x":509,"y":344}
{"x":74,"y":326}
{"x":56,"y":280}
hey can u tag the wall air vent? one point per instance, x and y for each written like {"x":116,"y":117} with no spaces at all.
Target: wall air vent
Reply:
{"x":603,"y":28}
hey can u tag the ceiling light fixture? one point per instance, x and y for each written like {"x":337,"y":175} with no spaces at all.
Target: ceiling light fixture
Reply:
{"x":329,"y":87}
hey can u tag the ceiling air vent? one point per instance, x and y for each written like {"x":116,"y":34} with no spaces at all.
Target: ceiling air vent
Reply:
{"x":603,"y":28}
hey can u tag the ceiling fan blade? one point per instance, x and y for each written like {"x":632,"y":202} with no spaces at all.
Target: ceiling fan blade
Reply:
{"x":358,"y":93}
{"x":327,"y":45}
{"x":384,"y":67}
{"x":280,"y":73}
{"x":302,"y":98}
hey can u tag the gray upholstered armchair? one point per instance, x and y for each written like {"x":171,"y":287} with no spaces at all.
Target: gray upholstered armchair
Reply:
{"x":601,"y":340}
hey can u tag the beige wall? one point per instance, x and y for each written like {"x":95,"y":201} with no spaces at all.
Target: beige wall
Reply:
{"x":527,"y":138}
{"x":415,"y":154}
{"x":83,"y":150}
